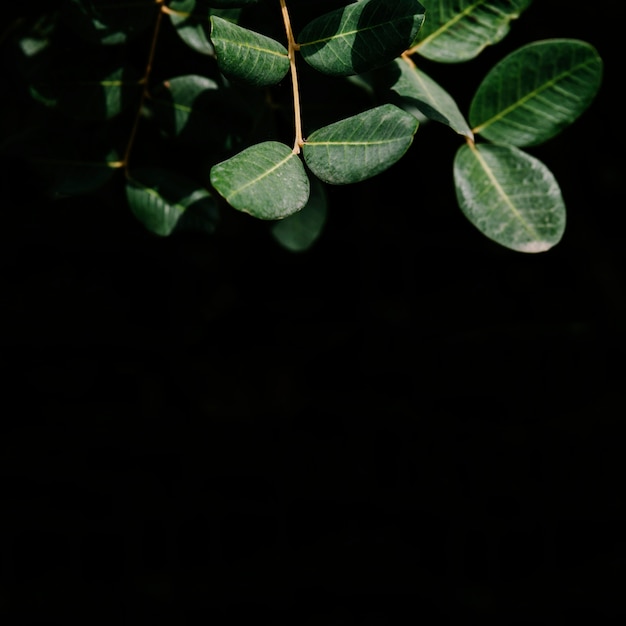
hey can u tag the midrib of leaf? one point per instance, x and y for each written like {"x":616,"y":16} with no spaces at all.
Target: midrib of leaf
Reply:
{"x":527,"y":227}
{"x":265,"y":174}
{"x":353,"y":143}
{"x":529,"y":96}
{"x":245,"y":45}
{"x":457,"y":18}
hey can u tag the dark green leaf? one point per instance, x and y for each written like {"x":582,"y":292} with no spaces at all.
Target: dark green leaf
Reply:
{"x":110,"y":22}
{"x":160,"y":198}
{"x":360,"y":146}
{"x":246,"y":56}
{"x":536,"y":92}
{"x":361,"y":36}
{"x":459,"y":30}
{"x":266,"y":180}
{"x":300,"y":231}
{"x":510,"y":196}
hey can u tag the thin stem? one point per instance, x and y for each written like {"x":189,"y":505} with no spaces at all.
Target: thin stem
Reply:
{"x":293,"y":47}
{"x":144,"y":88}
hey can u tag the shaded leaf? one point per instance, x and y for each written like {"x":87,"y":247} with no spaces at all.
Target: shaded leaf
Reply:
{"x":300,"y":231}
{"x":247,"y":56}
{"x":109,"y":22}
{"x":361,"y":36}
{"x":360,"y":146}
{"x":536,"y":92}
{"x":510,"y":196}
{"x":160,"y":199}
{"x":266,"y":180}
{"x":414,"y":88}
{"x":459,"y":30}
{"x":191,"y":19}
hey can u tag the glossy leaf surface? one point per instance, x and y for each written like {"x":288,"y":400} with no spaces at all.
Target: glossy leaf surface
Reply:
{"x":266,"y":180}
{"x":459,"y":30}
{"x":361,"y":36}
{"x":161,"y":199}
{"x":536,"y":92}
{"x":247,"y":56}
{"x":510,"y":196}
{"x":360,"y":146}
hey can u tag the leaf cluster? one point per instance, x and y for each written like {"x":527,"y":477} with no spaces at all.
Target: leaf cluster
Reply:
{"x":267,"y":102}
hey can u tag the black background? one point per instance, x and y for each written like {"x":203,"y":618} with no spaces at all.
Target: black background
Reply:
{"x":407,"y":422}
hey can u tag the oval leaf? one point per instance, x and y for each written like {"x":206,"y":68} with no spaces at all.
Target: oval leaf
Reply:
{"x":266,"y":180}
{"x":414,"y":88}
{"x":300,"y":231}
{"x":191,"y":19}
{"x":361,"y":146}
{"x":459,"y":30}
{"x":510,"y":196}
{"x":247,"y":56}
{"x":536,"y":92}
{"x":160,"y":198}
{"x":361,"y":36}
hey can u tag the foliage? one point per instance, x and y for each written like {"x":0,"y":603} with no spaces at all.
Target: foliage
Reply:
{"x":357,"y":96}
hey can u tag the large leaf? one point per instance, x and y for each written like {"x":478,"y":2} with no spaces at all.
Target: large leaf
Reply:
{"x":510,"y":196}
{"x":266,"y":180}
{"x":299,"y":231}
{"x":413,"y":88}
{"x":163,"y":200}
{"x":110,"y":22}
{"x":191,"y":19}
{"x":360,"y":146}
{"x":459,"y":30}
{"x":536,"y":92}
{"x":361,"y":36}
{"x":249,"y":57}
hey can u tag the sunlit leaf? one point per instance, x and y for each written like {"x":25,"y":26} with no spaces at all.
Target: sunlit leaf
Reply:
{"x":160,"y":199}
{"x":361,"y":36}
{"x":247,"y":56}
{"x":300,"y":231}
{"x":414,"y":88}
{"x":266,"y":180}
{"x":536,"y":92}
{"x":459,"y":30}
{"x":109,"y":22}
{"x":510,"y":196}
{"x":360,"y":146}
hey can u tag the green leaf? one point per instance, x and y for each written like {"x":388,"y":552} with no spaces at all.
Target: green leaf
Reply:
{"x":414,"y":88}
{"x":191,"y":19}
{"x":246,"y":56}
{"x":110,"y":22}
{"x":161,"y":199}
{"x":536,"y":92}
{"x":510,"y":196}
{"x":360,"y":146}
{"x":459,"y":30}
{"x":266,"y":180}
{"x":361,"y":36}
{"x":300,"y":231}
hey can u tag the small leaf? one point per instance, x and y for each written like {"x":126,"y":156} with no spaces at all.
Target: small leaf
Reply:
{"x":360,"y":146}
{"x":459,"y":30}
{"x":160,"y":199}
{"x":414,"y":88}
{"x":191,"y":19}
{"x":266,"y":180}
{"x":300,"y":231}
{"x":110,"y":22}
{"x":249,"y":57}
{"x":510,"y":196}
{"x":536,"y":92}
{"x":361,"y":36}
